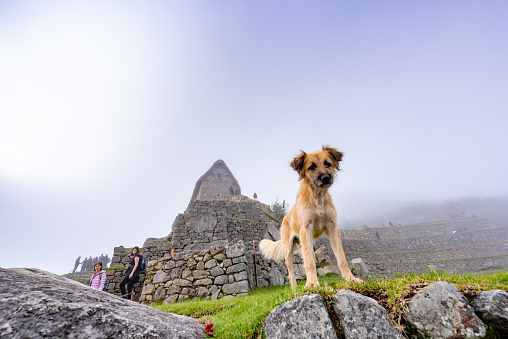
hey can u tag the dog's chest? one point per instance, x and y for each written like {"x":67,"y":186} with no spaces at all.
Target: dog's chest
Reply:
{"x":320,"y":218}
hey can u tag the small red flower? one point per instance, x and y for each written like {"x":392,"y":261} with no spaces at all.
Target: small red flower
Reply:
{"x":209,"y":329}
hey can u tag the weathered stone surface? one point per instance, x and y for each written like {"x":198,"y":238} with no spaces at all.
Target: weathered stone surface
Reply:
{"x":362,"y":317}
{"x":276,"y":278}
{"x":211,"y":263}
{"x":273,"y":231}
{"x":203,"y":282}
{"x":236,"y":268}
{"x":235,"y":250}
{"x":304,"y":317}
{"x":237,"y":287}
{"x":331,"y":269}
{"x":44,"y":305}
{"x":159,"y":277}
{"x":240,"y":276}
{"x":221,"y":280}
{"x":202,"y":223}
{"x":492,"y":308}
{"x":441,"y":311}
{"x":182,"y":282}
{"x":200,"y":274}
{"x":203,"y":292}
{"x":216,"y":271}
{"x":148,"y":289}
{"x":360,"y":268}
{"x":322,"y":255}
{"x":159,"y":293}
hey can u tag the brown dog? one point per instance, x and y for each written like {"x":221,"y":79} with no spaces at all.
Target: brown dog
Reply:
{"x":312,"y":214}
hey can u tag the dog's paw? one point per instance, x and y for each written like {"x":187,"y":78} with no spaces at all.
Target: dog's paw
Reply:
{"x":356,"y":280}
{"x":311,"y":284}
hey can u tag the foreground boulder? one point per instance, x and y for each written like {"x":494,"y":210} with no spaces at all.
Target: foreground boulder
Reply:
{"x":39,"y":304}
{"x":441,"y":311}
{"x":362,"y":317}
{"x":492,"y":308}
{"x":304,"y":317}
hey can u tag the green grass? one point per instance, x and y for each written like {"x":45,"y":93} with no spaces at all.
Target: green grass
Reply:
{"x":115,"y":268}
{"x":243,"y":317}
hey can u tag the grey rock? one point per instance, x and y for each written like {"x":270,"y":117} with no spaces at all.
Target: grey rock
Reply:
{"x":235,"y":250}
{"x":45,"y":305}
{"x":159,"y":293}
{"x":362,"y":317}
{"x":221,"y":280}
{"x":492,"y":308}
{"x":203,"y":292}
{"x":202,"y":223}
{"x":211,"y":263}
{"x":203,"y":282}
{"x":171,"y":299}
{"x":240,"y":276}
{"x":304,"y":317}
{"x":276,"y":278}
{"x":216,"y":271}
{"x":322,"y":255}
{"x":237,"y":287}
{"x":220,"y":256}
{"x":159,"y":277}
{"x":147,"y":289}
{"x":273,"y":232}
{"x":236,"y":268}
{"x":441,"y":311}
{"x":181,"y":282}
{"x":200,"y":274}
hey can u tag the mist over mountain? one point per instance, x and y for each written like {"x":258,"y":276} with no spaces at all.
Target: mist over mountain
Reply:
{"x":357,"y":213}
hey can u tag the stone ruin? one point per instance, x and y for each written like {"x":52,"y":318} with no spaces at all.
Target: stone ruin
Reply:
{"x":211,"y":248}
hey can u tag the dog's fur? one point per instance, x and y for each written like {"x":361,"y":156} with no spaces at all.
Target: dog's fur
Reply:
{"x":312,"y":214}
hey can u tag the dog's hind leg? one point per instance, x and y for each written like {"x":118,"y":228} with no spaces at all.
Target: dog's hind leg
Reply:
{"x":334,"y":236}
{"x":288,"y":242}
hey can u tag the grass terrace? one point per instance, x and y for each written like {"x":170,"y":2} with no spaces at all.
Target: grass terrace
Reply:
{"x":243,"y":317}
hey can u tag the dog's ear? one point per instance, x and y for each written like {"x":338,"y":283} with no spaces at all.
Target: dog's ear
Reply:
{"x":298,"y":163}
{"x":334,"y":153}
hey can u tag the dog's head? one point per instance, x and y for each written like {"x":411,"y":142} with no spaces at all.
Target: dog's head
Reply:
{"x":318,"y":168}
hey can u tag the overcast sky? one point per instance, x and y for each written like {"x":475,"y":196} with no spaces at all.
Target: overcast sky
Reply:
{"x":110,"y":111}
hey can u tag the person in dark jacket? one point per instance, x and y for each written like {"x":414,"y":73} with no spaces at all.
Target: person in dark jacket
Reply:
{"x":132,"y":276}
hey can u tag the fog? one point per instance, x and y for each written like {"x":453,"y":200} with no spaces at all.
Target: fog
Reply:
{"x":111,"y":111}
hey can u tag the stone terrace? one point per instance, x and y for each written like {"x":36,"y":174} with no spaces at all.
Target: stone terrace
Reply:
{"x":457,"y":246}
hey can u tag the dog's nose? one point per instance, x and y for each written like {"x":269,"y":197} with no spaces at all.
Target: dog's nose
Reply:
{"x":325,"y":178}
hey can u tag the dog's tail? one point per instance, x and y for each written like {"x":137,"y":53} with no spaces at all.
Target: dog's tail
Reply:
{"x":272,"y":249}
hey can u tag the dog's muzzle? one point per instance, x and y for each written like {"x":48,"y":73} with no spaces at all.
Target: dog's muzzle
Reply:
{"x":324,"y":180}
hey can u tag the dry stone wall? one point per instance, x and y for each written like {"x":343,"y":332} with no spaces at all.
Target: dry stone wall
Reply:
{"x":219,"y":222}
{"x":219,"y":272}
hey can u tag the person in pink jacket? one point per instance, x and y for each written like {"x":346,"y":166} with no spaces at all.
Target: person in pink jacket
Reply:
{"x":99,"y":277}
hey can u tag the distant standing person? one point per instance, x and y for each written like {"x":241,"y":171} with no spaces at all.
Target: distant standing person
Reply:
{"x":132,"y":276}
{"x":106,"y":260}
{"x":255,"y":196}
{"x":237,"y":192}
{"x":76,"y":264}
{"x":84,"y":264}
{"x":231,"y":191}
{"x":99,"y":277}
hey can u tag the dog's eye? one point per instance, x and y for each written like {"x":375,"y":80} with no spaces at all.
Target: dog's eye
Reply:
{"x":327,"y":164}
{"x":312,"y":167}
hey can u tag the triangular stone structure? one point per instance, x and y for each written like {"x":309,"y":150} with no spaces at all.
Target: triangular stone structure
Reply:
{"x":216,"y":181}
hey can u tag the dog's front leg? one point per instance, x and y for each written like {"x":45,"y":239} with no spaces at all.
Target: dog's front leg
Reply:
{"x":334,"y":236}
{"x":306,"y":240}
